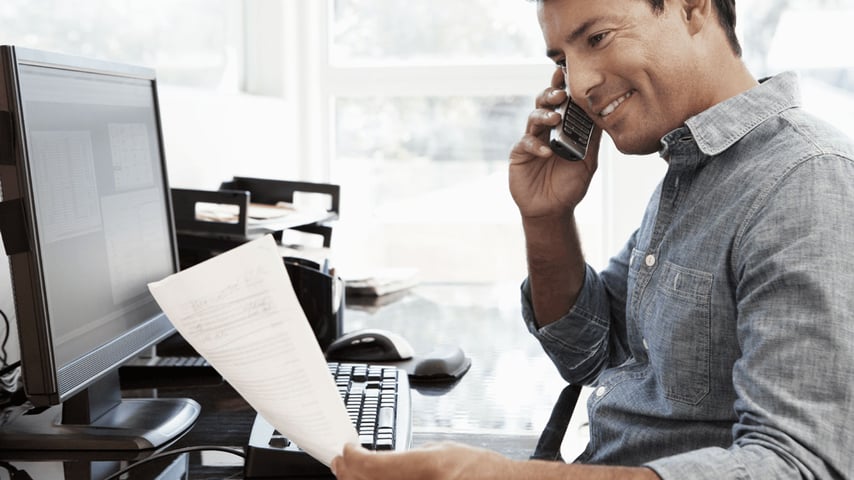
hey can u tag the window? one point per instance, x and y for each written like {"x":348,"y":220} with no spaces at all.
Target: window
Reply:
{"x":190,"y":42}
{"x":438,"y":32}
{"x":810,"y":37}
{"x":197,"y":50}
{"x":427,"y":98}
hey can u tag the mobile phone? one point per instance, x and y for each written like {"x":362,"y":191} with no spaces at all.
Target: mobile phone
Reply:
{"x":569,"y":139}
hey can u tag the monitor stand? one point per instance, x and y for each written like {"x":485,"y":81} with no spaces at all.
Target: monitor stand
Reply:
{"x":98,"y":419}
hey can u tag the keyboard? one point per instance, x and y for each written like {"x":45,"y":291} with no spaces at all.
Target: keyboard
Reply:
{"x":377,"y":398}
{"x":168,"y":370}
{"x":180,"y":362}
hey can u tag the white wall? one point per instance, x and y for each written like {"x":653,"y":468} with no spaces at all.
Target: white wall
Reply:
{"x":210,"y":137}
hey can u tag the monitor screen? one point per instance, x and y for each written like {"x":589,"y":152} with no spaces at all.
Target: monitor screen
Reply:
{"x":88,"y":220}
{"x":99,"y":203}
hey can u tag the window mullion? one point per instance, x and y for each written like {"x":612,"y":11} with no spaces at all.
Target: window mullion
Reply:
{"x":439,"y":80}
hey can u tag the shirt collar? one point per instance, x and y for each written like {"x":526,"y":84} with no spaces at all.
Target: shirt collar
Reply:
{"x":719,"y":127}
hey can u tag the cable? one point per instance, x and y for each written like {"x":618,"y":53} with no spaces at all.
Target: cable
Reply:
{"x":3,"y":354}
{"x":169,"y":453}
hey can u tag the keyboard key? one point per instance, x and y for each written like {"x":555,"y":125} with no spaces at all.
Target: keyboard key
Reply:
{"x":386,"y":418}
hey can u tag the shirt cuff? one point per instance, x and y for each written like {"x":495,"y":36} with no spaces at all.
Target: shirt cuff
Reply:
{"x":576,"y":340}
{"x":711,"y":463}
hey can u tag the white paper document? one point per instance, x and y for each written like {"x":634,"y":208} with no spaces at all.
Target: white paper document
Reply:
{"x":240,"y":312}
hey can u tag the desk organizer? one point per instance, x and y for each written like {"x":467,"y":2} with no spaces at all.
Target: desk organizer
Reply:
{"x":200,"y":238}
{"x":319,"y":293}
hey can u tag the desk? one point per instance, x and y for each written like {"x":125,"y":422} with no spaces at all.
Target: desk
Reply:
{"x":502,"y":403}
{"x":505,"y":399}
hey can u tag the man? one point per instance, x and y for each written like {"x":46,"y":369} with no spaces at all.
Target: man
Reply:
{"x":720,"y":341}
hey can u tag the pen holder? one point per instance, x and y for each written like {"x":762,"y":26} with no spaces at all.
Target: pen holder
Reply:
{"x":321,"y":297}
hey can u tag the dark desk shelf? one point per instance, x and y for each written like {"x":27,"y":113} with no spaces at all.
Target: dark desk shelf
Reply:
{"x":200,"y":238}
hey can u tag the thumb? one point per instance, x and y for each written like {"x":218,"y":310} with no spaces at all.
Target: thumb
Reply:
{"x":352,"y":455}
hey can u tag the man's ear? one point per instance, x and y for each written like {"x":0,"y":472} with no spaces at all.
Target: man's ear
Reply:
{"x":696,"y":14}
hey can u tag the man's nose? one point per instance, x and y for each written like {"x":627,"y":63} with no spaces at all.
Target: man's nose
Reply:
{"x":582,"y":78}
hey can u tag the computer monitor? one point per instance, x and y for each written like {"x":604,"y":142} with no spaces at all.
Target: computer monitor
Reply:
{"x":87,"y":223}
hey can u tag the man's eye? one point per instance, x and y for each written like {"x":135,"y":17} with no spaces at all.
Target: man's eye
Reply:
{"x":595,"y":39}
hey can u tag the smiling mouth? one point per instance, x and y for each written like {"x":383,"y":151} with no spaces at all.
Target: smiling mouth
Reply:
{"x":609,"y":109}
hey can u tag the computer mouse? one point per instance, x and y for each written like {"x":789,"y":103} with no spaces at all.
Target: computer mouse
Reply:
{"x":370,"y":345}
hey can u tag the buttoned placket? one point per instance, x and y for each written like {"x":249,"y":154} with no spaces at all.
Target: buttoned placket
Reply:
{"x":684,"y":157}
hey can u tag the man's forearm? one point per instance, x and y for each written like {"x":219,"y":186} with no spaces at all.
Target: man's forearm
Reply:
{"x":555,"y":266}
{"x":543,"y":470}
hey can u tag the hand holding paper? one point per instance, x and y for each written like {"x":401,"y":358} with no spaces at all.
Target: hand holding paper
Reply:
{"x":240,"y":312}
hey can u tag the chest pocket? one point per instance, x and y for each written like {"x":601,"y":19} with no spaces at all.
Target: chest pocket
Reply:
{"x":676,"y":324}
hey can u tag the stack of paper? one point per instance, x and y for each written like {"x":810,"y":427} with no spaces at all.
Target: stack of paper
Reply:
{"x":381,"y":281}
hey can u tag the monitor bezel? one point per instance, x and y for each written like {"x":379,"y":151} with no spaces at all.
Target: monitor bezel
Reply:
{"x":45,"y":382}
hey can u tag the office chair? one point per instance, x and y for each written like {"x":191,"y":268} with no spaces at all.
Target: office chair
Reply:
{"x":548,"y":445}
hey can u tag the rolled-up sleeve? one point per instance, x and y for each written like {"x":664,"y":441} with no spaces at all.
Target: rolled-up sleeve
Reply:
{"x":578,"y":342}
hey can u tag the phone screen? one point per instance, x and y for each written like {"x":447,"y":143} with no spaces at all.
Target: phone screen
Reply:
{"x":569,"y":139}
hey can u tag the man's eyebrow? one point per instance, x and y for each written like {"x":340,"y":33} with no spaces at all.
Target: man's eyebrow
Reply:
{"x":575,"y":35}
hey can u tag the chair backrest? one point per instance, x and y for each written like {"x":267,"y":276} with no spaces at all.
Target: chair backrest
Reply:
{"x":548,"y":446}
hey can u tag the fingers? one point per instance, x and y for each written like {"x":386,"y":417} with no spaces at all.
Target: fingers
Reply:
{"x":336,"y":465}
{"x":530,"y":147}
{"x":541,"y":121}
{"x":550,"y":98}
{"x":430,"y":462}
{"x":345,"y":465}
{"x":544,"y":117}
{"x":559,"y":78}
{"x":357,"y":463}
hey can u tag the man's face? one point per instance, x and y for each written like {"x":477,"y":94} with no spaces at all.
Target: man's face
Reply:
{"x":633,"y":70}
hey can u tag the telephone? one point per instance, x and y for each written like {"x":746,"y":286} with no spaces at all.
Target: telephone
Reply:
{"x":569,"y":139}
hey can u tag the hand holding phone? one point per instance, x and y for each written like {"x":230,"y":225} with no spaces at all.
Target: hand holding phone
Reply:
{"x":569,"y":139}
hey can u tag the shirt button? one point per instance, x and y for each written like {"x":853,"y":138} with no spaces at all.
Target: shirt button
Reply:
{"x":649,"y":260}
{"x":600,"y":391}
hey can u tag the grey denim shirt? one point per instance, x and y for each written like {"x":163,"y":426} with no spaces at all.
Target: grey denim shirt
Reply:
{"x":720,"y":341}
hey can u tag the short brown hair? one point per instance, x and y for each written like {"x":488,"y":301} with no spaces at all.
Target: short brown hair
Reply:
{"x":726,"y":17}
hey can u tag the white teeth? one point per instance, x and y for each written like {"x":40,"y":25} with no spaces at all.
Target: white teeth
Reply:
{"x":613,"y":105}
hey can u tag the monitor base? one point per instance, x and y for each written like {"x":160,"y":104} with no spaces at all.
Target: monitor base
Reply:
{"x":134,"y":424}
